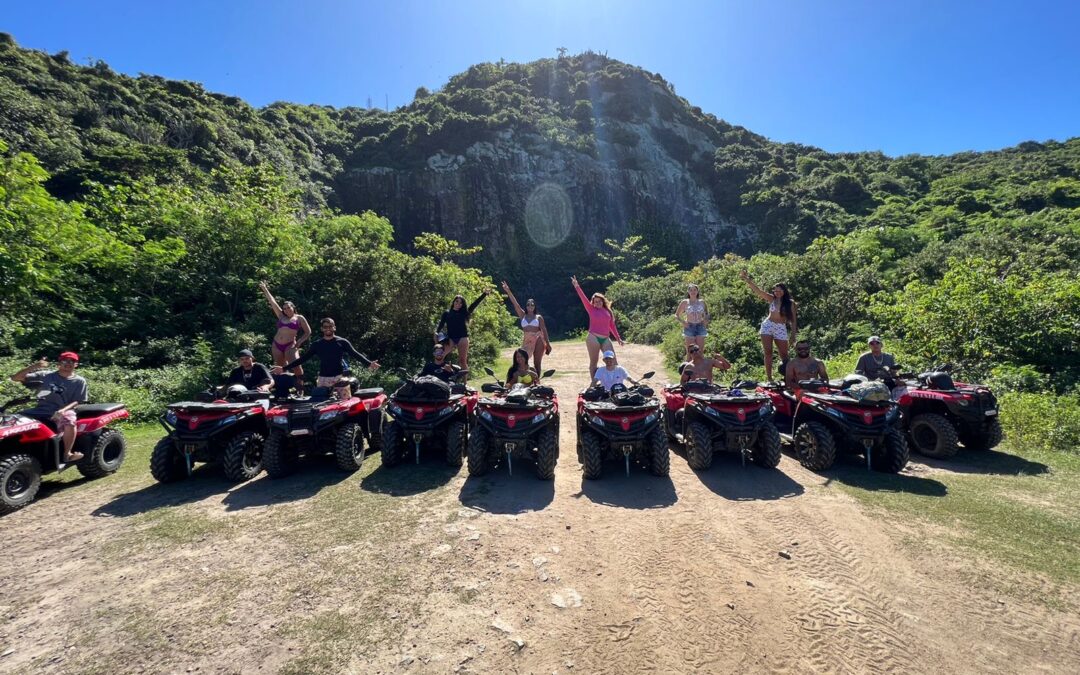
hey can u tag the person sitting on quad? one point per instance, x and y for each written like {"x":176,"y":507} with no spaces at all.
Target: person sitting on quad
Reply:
{"x":253,"y":376}
{"x":872,"y":364}
{"x":57,"y":407}
{"x":803,"y":367}
{"x":611,"y":374}
{"x":332,"y":351}
{"x":438,"y":366}
{"x":703,"y":367}
{"x":520,"y":372}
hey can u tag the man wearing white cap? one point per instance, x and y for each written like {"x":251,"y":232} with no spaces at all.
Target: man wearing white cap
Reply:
{"x":611,"y":374}
{"x":872,"y":363}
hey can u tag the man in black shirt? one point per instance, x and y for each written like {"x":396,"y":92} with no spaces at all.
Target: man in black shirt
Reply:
{"x":332,"y":352}
{"x":250,"y":374}
{"x":438,"y":366}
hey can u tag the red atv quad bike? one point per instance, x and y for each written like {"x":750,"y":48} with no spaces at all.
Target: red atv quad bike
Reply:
{"x":30,"y":448}
{"x":623,"y":423}
{"x":429,"y":410}
{"x":940,"y":413}
{"x":225,"y":425}
{"x":821,"y":419}
{"x":323,"y":424}
{"x":707,"y":418}
{"x":520,"y":421}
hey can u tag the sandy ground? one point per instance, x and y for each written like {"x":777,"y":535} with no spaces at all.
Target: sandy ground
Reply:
{"x":422,"y":569}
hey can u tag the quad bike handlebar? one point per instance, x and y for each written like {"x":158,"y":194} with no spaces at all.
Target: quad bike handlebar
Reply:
{"x":14,"y":402}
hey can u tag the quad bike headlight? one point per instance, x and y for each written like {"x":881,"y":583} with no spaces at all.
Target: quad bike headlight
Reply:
{"x":539,"y":418}
{"x":892,"y":414}
{"x":709,"y":410}
{"x":170,"y":418}
{"x":329,"y":415}
{"x":765,"y":409}
{"x":279,"y":419}
{"x":597,"y":420}
{"x":395,"y":409}
{"x":445,"y":411}
{"x":227,"y":420}
{"x":835,"y":413}
{"x":486,"y":415}
{"x":650,"y":419}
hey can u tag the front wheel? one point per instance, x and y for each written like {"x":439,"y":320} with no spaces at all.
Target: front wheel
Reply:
{"x":244,"y":456}
{"x":478,"y":451}
{"x":766,"y":452}
{"x":105,"y":456}
{"x":166,"y":462}
{"x":815,"y":446}
{"x":659,"y":457}
{"x":933,"y":436}
{"x":349,"y":447}
{"x":983,"y":438}
{"x":20,"y":479}
{"x":392,"y":444}
{"x":699,"y":450}
{"x":547,"y":453}
{"x":891,"y":455}
{"x":592,"y":456}
{"x":457,"y":436}
{"x":279,"y":459}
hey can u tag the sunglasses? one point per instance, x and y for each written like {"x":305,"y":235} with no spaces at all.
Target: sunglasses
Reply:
{"x":875,"y":343}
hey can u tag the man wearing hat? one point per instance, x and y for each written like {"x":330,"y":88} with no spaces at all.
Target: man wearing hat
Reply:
{"x":872,"y":363}
{"x":250,"y":374}
{"x":438,"y":367}
{"x":58,"y":392}
{"x":611,"y":374}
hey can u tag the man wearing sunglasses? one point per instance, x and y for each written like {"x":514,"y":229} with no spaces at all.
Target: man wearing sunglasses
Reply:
{"x":803,"y":367}
{"x":58,"y":392}
{"x":873,"y":363}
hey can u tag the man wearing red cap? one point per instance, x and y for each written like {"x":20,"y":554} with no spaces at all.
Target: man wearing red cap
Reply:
{"x":58,"y":392}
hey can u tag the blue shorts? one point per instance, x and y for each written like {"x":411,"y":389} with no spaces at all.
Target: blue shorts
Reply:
{"x":694,"y":330}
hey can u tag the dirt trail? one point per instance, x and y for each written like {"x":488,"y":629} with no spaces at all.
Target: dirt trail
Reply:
{"x":427,"y":570}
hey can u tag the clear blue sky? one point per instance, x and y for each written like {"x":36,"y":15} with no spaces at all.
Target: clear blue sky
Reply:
{"x":928,"y":76}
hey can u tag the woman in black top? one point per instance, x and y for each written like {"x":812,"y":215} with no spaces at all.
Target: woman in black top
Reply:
{"x":456,"y":322}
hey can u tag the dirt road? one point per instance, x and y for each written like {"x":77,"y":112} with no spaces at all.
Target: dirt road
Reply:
{"x":421,"y":569}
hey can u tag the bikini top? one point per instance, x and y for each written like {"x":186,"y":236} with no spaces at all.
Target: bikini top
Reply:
{"x":292,"y":325}
{"x":535,"y":323}
{"x":527,"y":378}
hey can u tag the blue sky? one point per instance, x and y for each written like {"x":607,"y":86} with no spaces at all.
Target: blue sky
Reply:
{"x":906,"y":76}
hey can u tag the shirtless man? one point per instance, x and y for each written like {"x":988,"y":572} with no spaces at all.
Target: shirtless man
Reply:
{"x":703,"y":367}
{"x":803,"y":367}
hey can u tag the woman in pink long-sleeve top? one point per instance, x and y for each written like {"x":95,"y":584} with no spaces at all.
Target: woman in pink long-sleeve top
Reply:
{"x":601,"y":326}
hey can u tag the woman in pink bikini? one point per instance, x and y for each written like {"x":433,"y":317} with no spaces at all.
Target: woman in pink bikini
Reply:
{"x":774,"y":328}
{"x":292,"y":331}
{"x":535,"y":336}
{"x":601,"y":326}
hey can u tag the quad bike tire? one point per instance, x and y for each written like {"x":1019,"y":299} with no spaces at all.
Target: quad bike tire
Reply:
{"x":815,"y":446}
{"x":166,"y":462}
{"x":375,"y":435}
{"x":279,"y":459}
{"x":457,"y":437}
{"x":983,"y":439}
{"x":349,"y":447}
{"x":477,"y":453}
{"x":106,"y":455}
{"x":20,"y":480}
{"x":766,"y":451}
{"x":592,"y":455}
{"x":392,"y":444}
{"x":933,"y":435}
{"x":547,"y":452}
{"x":659,"y":456}
{"x":243,"y":458}
{"x":891,"y":455}
{"x":699,"y":450}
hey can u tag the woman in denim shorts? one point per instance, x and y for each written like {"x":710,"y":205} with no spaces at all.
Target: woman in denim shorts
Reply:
{"x":694,"y":316}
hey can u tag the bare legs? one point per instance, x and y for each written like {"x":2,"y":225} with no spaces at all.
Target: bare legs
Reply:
{"x":593,"y":345}
{"x":538,"y":353}
{"x":767,"y":345}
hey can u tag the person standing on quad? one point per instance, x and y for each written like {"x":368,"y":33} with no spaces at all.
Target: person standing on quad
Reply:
{"x":57,"y":407}
{"x":612,"y":373}
{"x":535,"y":339}
{"x":803,"y":367}
{"x":774,"y":328}
{"x":438,"y":367}
{"x":703,"y":367}
{"x":332,"y":351}
{"x":250,"y":375}
{"x":520,"y":372}
{"x":601,"y":326}
{"x":694,"y":316}
{"x":456,"y":322}
{"x":292,"y":332}
{"x":872,"y":364}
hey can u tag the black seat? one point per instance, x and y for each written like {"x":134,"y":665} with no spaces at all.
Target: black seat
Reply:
{"x":368,"y":393}
{"x":96,"y":409}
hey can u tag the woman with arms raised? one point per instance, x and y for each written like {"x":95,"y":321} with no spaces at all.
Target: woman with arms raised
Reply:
{"x":456,"y":322}
{"x":535,"y":340}
{"x":601,"y":326}
{"x":774,"y":328}
{"x":292,"y":331}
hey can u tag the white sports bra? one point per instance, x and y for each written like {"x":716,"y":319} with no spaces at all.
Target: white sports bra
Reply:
{"x":535,"y":323}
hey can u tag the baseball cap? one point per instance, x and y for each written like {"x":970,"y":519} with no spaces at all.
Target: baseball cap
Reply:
{"x":69,"y":355}
{"x":873,"y":338}
{"x":245,"y":352}
{"x":609,"y":354}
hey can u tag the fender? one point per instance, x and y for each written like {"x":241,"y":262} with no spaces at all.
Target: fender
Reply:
{"x":95,"y":423}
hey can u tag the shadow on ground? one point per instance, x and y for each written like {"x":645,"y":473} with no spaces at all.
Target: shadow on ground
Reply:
{"x":728,"y":478}
{"x":851,"y":470}
{"x":410,"y":478}
{"x":497,"y":492}
{"x":989,"y":462}
{"x":639,"y":490}
{"x":313,"y":475}
{"x":205,"y":481}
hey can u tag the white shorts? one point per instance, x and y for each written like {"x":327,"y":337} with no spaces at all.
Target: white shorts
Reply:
{"x":778,"y":331}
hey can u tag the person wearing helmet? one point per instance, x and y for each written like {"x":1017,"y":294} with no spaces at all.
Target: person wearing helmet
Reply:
{"x":249,"y":374}
{"x":58,"y":392}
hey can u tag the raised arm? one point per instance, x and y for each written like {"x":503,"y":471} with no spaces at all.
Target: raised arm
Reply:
{"x":720,"y":362}
{"x":510,"y":294}
{"x":20,"y":376}
{"x":476,"y":302}
{"x":754,"y":287}
{"x":270,"y":299}
{"x":581,"y":294}
{"x":305,"y":332}
{"x":680,"y":311}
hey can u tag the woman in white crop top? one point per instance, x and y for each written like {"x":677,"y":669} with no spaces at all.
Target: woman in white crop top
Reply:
{"x":694,"y":316}
{"x":535,"y":336}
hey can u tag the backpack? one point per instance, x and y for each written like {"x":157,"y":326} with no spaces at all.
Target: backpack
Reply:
{"x":424,"y":388}
{"x":870,"y":391}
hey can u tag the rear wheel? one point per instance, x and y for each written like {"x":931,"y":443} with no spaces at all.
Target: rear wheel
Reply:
{"x":279,"y":459}
{"x":392,"y":444}
{"x":892,"y":454}
{"x":659,"y":457}
{"x":547,"y":452}
{"x":592,"y":456}
{"x":457,"y":436}
{"x":244,"y":456}
{"x":766,"y":452}
{"x":933,"y":436}
{"x":699,"y":450}
{"x":20,"y":479}
{"x":984,"y":438}
{"x":166,"y":462}
{"x":479,"y":440}
{"x":105,"y":456}
{"x":815,"y":446}
{"x":349,"y":447}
